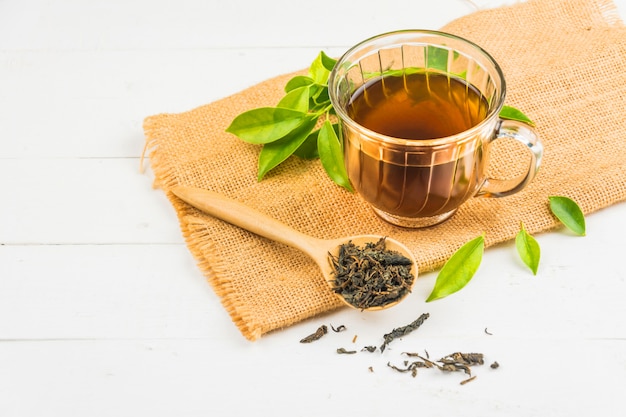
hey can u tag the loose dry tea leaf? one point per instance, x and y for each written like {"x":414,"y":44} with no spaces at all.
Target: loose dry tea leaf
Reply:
{"x":470,"y":379}
{"x":346,"y":352}
{"x":339,"y":328}
{"x":464,"y":358}
{"x":455,"y":362}
{"x":569,"y":213}
{"x":404,"y":330}
{"x":409,"y":367}
{"x":321,"y":331}
{"x":371,"y":276}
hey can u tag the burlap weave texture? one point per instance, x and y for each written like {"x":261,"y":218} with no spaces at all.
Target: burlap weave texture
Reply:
{"x":564,"y":63}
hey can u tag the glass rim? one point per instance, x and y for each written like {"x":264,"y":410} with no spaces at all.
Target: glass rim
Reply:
{"x":492,"y":114}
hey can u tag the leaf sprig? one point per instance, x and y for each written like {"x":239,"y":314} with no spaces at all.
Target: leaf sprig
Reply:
{"x":294,"y":127}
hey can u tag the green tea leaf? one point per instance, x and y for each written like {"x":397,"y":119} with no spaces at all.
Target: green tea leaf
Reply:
{"x":569,"y":213}
{"x":297,"y":82}
{"x":308,"y":149}
{"x":528,"y":249}
{"x":321,"y":98}
{"x":274,"y":153}
{"x":331,"y":155}
{"x":297,"y":99}
{"x":459,"y":269}
{"x":318,"y":70}
{"x":511,"y":113}
{"x":327,"y":62}
{"x":265,"y":124}
{"x":436,"y":58}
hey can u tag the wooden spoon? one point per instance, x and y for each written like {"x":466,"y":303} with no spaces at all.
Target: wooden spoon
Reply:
{"x":240,"y":215}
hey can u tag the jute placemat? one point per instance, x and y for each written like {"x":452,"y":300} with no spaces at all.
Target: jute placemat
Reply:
{"x":564,"y":63}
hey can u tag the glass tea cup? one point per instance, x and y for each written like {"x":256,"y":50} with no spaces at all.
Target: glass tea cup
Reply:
{"x":419,"y":112}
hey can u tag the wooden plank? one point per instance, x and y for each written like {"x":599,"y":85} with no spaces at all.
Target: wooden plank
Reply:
{"x":201,"y":377}
{"x":124,"y":24}
{"x":77,"y":201}
{"x":106,"y":292}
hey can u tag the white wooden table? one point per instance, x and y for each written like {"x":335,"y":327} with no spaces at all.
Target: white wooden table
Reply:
{"x":103,"y":311}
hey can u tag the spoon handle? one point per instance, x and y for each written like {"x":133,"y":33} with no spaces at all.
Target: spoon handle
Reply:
{"x":247,"y":218}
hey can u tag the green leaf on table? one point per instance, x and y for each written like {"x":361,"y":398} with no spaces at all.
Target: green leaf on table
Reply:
{"x":511,"y":113}
{"x":331,"y":155}
{"x":459,"y":269}
{"x":569,"y":213}
{"x":265,"y":124}
{"x":274,"y":153}
{"x":528,"y":249}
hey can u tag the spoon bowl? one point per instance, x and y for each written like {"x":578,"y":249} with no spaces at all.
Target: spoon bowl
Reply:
{"x":238,"y":214}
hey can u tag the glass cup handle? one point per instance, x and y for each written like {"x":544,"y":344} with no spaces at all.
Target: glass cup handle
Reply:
{"x":526,"y":135}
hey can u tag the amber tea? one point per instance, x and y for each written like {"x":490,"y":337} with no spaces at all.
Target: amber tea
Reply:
{"x":415,"y":107}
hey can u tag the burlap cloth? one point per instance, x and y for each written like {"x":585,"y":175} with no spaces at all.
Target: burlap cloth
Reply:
{"x":564,"y":63}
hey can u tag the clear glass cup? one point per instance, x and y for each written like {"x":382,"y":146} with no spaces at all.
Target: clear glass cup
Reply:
{"x":421,"y":182}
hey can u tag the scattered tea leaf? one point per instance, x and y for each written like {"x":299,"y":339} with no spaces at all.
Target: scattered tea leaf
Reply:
{"x":464,"y":358}
{"x":459,"y":269}
{"x":321,"y":331}
{"x":404,"y":330}
{"x":371,"y":275}
{"x":569,"y":213}
{"x":340,"y":328}
{"x":470,"y":379}
{"x":511,"y":113}
{"x":528,"y":249}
